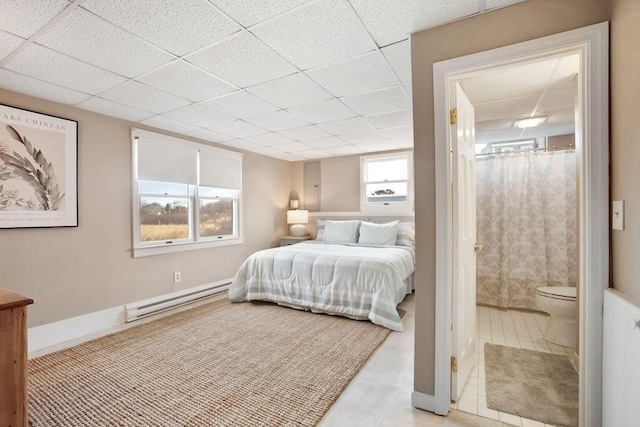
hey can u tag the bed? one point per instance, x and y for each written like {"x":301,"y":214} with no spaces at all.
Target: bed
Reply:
{"x":355,"y":280}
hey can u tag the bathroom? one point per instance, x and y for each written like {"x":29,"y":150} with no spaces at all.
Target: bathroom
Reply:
{"x":527,"y":241}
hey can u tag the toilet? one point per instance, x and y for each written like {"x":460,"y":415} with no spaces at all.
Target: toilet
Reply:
{"x":561,"y":304}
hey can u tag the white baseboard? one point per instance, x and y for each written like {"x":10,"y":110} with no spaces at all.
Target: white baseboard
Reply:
{"x":40,"y":337}
{"x":424,"y":401}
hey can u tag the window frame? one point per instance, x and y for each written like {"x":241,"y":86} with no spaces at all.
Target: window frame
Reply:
{"x":392,"y":208}
{"x":195,"y":241}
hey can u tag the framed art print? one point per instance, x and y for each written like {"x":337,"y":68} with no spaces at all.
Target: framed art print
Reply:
{"x":38,"y":170}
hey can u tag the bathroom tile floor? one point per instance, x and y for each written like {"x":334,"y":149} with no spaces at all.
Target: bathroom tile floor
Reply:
{"x":513,"y":328}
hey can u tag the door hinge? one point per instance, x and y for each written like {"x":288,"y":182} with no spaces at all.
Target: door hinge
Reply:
{"x":454,"y":364}
{"x":453,"y":116}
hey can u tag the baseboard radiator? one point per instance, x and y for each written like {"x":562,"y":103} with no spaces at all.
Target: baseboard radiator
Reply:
{"x":620,"y":361}
{"x":141,"y":309}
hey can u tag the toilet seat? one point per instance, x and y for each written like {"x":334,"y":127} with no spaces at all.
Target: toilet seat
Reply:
{"x":564,"y":293}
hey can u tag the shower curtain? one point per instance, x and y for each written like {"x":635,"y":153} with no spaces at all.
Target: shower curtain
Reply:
{"x":527,"y":222}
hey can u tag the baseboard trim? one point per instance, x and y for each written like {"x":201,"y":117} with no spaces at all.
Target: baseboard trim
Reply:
{"x":55,"y":333}
{"x":424,"y":401}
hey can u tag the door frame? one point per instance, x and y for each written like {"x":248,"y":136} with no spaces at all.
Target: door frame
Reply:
{"x":592,"y":150}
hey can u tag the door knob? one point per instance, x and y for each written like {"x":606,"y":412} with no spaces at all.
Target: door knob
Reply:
{"x":478,"y":247}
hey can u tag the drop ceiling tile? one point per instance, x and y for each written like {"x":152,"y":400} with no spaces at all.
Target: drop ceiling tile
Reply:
{"x":399,"y":57}
{"x":318,"y":33}
{"x":505,"y":108}
{"x":561,"y":117}
{"x":404,"y":132}
{"x":290,"y":157}
{"x":250,"y":12}
{"x":237,"y":129}
{"x":364,"y":137}
{"x":391,"y":120}
{"x":197,"y":115}
{"x":241,"y":104}
{"x":38,"y":88}
{"x":565,"y":74}
{"x":183,"y":79}
{"x":179,"y":27}
{"x":494,"y":4}
{"x":313,"y":154}
{"x":165,"y":123}
{"x":356,"y":75}
{"x":343,"y":150}
{"x":409,"y":90}
{"x":143,"y":97}
{"x":403,"y":143}
{"x":347,"y":126}
{"x":113,"y":109}
{"x":87,"y":37}
{"x":51,"y":66}
{"x":277,"y":120}
{"x":209,"y":135}
{"x":324,"y":111}
{"x":325,"y":141}
{"x":24,"y":17}
{"x":380,"y":101}
{"x":268,"y":139}
{"x":8,"y":43}
{"x":557,"y":100}
{"x":304,"y":132}
{"x":291,"y":147}
{"x":371,"y":147}
{"x":241,"y":144}
{"x":389,"y":23}
{"x":291,"y":91}
{"x":267,"y":151}
{"x":242,"y":60}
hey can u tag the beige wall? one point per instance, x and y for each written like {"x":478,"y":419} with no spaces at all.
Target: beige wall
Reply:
{"x":561,"y":141}
{"x":74,"y":271}
{"x":625,"y":143}
{"x":523,"y":21}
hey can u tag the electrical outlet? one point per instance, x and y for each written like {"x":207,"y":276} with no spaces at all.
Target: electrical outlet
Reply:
{"x":176,"y":277}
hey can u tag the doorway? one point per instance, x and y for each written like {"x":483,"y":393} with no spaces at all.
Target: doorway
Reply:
{"x":590,"y":44}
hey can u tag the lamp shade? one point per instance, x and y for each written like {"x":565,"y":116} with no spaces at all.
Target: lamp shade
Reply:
{"x":297,"y":217}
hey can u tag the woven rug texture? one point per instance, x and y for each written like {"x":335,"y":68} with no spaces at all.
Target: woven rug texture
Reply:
{"x":531,"y":384}
{"x":219,"y":364}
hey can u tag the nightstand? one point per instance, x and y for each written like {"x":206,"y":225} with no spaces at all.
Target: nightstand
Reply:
{"x":292,"y":240}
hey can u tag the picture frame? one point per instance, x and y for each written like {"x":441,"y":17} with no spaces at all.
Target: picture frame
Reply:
{"x":38,"y":169}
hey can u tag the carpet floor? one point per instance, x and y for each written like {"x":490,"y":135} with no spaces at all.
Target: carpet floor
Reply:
{"x":219,"y":364}
{"x":531,"y":384}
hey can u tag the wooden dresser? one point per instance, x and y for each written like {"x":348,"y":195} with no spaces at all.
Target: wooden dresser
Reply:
{"x":13,"y":359}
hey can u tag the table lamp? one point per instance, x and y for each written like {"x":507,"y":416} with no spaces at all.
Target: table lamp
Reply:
{"x":298,"y":218}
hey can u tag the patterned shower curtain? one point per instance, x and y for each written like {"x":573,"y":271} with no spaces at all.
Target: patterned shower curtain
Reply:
{"x":527,"y":222}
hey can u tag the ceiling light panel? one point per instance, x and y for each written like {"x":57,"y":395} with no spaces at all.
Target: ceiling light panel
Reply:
{"x":268,"y":139}
{"x":303,"y":133}
{"x":209,"y":135}
{"x":325,"y":111}
{"x":324,"y":142}
{"x":291,"y":91}
{"x":180,"y":27}
{"x":113,"y":109}
{"x":197,"y":115}
{"x":399,"y":57}
{"x":347,"y":126}
{"x":143,"y":97}
{"x":242,"y":60}
{"x":250,"y":12}
{"x":38,"y":88}
{"x":381,"y":101}
{"x":8,"y":43}
{"x":391,"y":120}
{"x":240,"y":104}
{"x":389,"y":23}
{"x":183,"y":79}
{"x":25,"y":17}
{"x":236,"y":128}
{"x":277,"y":120}
{"x":357,"y":75}
{"x":318,"y":33}
{"x":89,"y":38}
{"x":51,"y":66}
{"x":165,"y":123}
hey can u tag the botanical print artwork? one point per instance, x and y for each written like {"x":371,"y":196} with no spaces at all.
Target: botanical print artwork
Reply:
{"x":38,"y":170}
{"x":527,"y":222}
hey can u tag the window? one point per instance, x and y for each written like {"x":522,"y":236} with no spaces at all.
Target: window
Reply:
{"x":386,"y":182}
{"x":186,"y":195}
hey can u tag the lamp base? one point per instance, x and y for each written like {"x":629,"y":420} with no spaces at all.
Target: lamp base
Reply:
{"x":298,"y":230}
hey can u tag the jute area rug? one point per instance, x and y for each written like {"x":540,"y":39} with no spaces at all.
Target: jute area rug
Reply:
{"x":531,"y":384}
{"x":220,"y":364}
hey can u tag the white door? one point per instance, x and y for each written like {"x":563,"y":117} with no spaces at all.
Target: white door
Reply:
{"x":464,"y":240}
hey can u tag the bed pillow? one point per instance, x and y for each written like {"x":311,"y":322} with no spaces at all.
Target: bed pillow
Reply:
{"x":341,"y":231}
{"x":406,"y":234}
{"x":378,"y":234}
{"x":321,"y":224}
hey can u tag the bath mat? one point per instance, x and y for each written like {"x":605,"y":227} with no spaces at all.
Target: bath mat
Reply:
{"x":531,"y":384}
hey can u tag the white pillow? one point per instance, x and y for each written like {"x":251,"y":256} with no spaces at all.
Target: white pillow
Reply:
{"x":378,"y":234}
{"x":406,"y":234}
{"x":341,"y":231}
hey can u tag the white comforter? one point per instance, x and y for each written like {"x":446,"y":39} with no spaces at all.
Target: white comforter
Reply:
{"x":350,"y":280}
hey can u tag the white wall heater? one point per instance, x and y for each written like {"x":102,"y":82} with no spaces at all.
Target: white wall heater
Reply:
{"x":141,"y":309}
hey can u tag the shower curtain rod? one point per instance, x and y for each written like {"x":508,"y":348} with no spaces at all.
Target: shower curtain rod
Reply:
{"x":527,"y":151}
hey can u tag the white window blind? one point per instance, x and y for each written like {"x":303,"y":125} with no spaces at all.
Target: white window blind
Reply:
{"x":158,"y":161}
{"x":221,"y":170}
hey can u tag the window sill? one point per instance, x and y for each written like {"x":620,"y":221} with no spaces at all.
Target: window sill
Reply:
{"x":183,"y":247}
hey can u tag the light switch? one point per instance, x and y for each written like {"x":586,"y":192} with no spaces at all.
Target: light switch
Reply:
{"x":617,"y":215}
